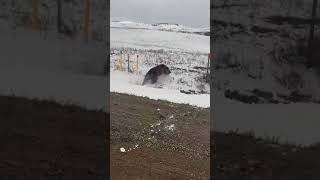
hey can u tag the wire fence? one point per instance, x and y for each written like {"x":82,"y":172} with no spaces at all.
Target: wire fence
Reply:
{"x":85,"y":18}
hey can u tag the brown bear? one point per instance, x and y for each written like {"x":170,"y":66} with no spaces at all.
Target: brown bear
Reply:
{"x":154,"y":73}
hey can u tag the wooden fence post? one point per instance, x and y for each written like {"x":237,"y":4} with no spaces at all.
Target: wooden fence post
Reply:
{"x":137,"y":64}
{"x":35,"y":14}
{"x":128,"y":64}
{"x":59,"y":16}
{"x":311,"y":34}
{"x":121,"y":60}
{"x":208,"y":65}
{"x":87,"y":20}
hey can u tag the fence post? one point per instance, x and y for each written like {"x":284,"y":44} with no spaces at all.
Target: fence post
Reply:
{"x":59,"y":15}
{"x":128,"y":64}
{"x":121,"y":59}
{"x":35,"y":14}
{"x":137,"y":64}
{"x":311,"y":34}
{"x":87,"y":20}
{"x":208,"y":65}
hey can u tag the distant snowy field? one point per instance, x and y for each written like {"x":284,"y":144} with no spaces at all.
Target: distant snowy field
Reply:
{"x":158,"y":26}
{"x":144,"y":36}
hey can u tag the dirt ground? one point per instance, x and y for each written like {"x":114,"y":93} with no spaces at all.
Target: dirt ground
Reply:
{"x":162,"y":140}
{"x":243,"y":156}
{"x":45,"y":140}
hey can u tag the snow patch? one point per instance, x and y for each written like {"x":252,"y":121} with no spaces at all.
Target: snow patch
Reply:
{"x":120,"y":83}
{"x":294,"y":123}
{"x":170,"y":127}
{"x":122,"y":150}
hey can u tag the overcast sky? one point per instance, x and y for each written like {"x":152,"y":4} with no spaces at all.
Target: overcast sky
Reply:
{"x":195,"y":13}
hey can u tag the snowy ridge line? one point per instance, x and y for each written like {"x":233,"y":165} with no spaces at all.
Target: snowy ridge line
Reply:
{"x":158,"y":26}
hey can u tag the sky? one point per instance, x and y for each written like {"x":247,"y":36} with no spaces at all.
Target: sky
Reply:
{"x":194,"y":13}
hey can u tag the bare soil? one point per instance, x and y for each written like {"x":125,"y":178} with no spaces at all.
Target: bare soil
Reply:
{"x":244,"y":156}
{"x":45,"y":140}
{"x":162,"y":140}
